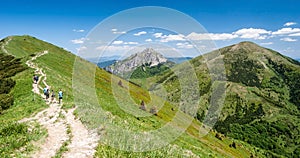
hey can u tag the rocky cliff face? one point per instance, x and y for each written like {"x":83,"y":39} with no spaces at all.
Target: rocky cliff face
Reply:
{"x":147,"y":57}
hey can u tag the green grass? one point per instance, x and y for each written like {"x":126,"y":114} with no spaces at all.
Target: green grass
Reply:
{"x":260,"y":94}
{"x":26,"y":103}
{"x":16,"y":138}
{"x":105,"y":111}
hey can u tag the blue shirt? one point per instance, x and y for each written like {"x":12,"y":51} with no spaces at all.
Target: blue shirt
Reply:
{"x":60,"y":93}
{"x":45,"y":90}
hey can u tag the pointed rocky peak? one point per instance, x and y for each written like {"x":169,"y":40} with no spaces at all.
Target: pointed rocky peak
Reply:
{"x":148,"y":57}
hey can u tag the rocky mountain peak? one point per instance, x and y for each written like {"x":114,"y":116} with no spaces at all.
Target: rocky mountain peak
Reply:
{"x":147,"y":57}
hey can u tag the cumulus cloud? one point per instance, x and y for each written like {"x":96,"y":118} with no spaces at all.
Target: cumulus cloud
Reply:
{"x":148,"y":40}
{"x":140,"y":33}
{"x":295,"y":34}
{"x":115,"y":31}
{"x":78,"y":41}
{"x":289,"y":24}
{"x":75,"y":30}
{"x":158,"y":35}
{"x":132,"y":43}
{"x":117,"y":42}
{"x":287,"y":39}
{"x":286,"y":30}
{"x":211,"y":36}
{"x":248,"y":33}
{"x":184,"y":45}
{"x":252,"y":33}
{"x":168,"y":38}
{"x":124,"y":43}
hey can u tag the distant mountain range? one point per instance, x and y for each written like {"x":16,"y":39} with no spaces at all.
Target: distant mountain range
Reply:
{"x":179,"y":60}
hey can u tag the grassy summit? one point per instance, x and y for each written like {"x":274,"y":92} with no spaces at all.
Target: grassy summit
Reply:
{"x":262,"y":95}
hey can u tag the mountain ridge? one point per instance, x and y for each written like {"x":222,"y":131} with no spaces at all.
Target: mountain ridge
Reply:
{"x":259,"y":82}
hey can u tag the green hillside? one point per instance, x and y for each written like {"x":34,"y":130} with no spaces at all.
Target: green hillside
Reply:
{"x":58,"y":65}
{"x":261,"y":105}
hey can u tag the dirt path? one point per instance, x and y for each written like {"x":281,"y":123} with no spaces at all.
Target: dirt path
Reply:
{"x":83,"y":142}
{"x":57,"y":121}
{"x":3,"y":46}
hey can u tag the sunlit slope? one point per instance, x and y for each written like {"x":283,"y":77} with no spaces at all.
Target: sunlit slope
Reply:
{"x":262,"y":98}
{"x":58,"y":64}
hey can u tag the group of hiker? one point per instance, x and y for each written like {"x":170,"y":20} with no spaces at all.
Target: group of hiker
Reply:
{"x":47,"y":93}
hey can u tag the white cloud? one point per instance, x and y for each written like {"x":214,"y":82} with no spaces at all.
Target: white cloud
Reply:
{"x":267,"y":43}
{"x":158,"y":35}
{"x":117,"y":42}
{"x":78,"y":41}
{"x":295,"y":34}
{"x":122,"y":42}
{"x":115,"y":31}
{"x":252,"y":33}
{"x":185,"y":45}
{"x":114,"y":48}
{"x":140,"y":33}
{"x":148,"y":40}
{"x":119,"y":32}
{"x":168,"y":38}
{"x":285,"y":31}
{"x":287,"y":39}
{"x":289,"y":24}
{"x":249,"y":33}
{"x":132,"y":43}
{"x":211,"y":36}
{"x":75,"y":30}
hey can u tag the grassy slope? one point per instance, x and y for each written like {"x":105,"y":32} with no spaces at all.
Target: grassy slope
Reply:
{"x":15,"y":136}
{"x":253,"y":82}
{"x":58,"y":65}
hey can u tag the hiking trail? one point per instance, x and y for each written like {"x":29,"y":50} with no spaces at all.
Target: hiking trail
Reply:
{"x":61,"y":125}
{"x":5,"y":44}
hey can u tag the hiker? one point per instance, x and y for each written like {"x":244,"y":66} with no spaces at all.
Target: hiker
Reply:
{"x":52,"y":96}
{"x":47,"y":94}
{"x":60,"y":96}
{"x":35,"y":79}
{"x":45,"y":91}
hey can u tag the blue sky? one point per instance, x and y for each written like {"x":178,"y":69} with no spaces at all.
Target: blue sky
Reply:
{"x":270,"y":23}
